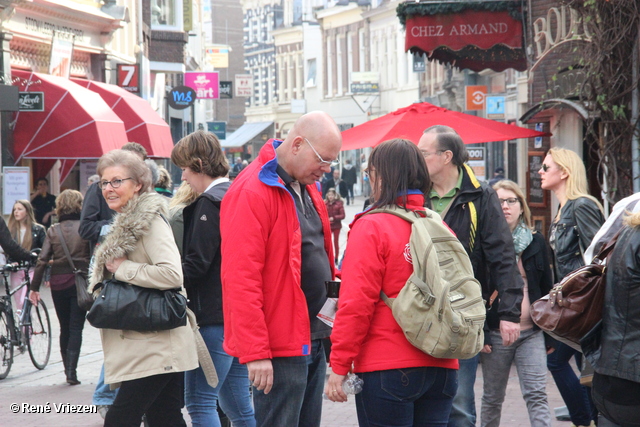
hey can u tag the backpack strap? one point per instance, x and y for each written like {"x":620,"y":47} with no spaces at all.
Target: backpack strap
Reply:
{"x":473,"y":215}
{"x":56,"y":227}
{"x":419,"y":264}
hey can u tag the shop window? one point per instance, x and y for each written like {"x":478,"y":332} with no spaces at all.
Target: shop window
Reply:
{"x":163,"y":12}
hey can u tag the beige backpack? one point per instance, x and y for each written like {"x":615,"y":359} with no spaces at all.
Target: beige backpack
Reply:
{"x":440,"y":308}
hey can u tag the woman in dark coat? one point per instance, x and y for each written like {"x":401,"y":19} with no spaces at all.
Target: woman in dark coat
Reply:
{"x":63,"y":290}
{"x":578,"y":219}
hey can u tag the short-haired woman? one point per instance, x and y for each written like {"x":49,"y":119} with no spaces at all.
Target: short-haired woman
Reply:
{"x":140,"y":250}
{"x":30,"y":235}
{"x":578,"y":219}
{"x":62,"y":282}
{"x":205,"y":167}
{"x":529,"y":351}
{"x":402,"y":385}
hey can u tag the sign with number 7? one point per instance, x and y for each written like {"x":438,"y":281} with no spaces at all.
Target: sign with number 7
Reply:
{"x":129,"y":77}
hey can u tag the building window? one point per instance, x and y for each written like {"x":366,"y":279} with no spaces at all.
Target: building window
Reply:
{"x":329,"y":88}
{"x":163,"y":12}
{"x":311,"y":72}
{"x":339,"y":63}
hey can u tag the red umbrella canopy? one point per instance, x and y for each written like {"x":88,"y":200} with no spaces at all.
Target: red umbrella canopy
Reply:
{"x":410,"y":122}
{"x":75,"y":124}
{"x":142,"y":124}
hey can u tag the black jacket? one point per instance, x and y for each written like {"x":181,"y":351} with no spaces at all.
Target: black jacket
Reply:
{"x":349,"y":175}
{"x":201,"y":255}
{"x":330,"y":183}
{"x":38,"y":234}
{"x":578,"y":224}
{"x":489,"y":243}
{"x":13,"y":250}
{"x":95,"y":214}
{"x":535,"y":260}
{"x":617,"y":354}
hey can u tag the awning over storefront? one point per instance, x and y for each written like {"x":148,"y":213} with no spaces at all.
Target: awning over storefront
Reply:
{"x":75,"y":124}
{"x":142,"y":124}
{"x":245,"y":133}
{"x":466,"y":34}
{"x":544,"y":108}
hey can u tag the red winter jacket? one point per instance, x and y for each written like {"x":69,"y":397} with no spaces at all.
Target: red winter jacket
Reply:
{"x":265,"y":310}
{"x":335,"y":210}
{"x":365,"y":332}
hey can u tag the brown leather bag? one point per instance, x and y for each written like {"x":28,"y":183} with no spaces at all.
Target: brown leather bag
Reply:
{"x":574,"y":306}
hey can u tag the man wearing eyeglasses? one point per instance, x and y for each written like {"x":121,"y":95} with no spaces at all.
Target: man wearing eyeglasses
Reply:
{"x":472,"y":210}
{"x":276,"y":257}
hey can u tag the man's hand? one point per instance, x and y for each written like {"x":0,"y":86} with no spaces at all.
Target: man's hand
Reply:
{"x":486,"y":349}
{"x":510,"y":332}
{"x":261,"y":374}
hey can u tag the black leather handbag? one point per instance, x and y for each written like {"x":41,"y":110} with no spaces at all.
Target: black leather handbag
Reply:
{"x":125,"y":306}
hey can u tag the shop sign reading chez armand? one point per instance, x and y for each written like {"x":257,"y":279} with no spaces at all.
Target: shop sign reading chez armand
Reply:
{"x":483,"y":29}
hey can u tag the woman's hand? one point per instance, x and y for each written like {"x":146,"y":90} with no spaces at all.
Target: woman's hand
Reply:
{"x":333,"y":389}
{"x":486,"y":349}
{"x":34,"y":297}
{"x":113,"y":265}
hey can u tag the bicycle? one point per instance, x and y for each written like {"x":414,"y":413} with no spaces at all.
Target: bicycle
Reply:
{"x":30,"y":328}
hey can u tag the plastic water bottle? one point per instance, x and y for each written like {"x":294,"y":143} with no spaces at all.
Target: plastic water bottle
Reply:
{"x":352,"y":384}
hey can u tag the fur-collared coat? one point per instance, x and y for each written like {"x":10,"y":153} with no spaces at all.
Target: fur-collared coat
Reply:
{"x":141,"y":235}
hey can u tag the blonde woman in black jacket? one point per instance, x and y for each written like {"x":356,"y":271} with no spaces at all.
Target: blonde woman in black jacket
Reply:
{"x":578,"y":219}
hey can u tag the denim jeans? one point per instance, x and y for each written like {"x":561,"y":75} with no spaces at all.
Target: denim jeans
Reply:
{"x":232,"y":390}
{"x":463,"y":411}
{"x":530,"y":355}
{"x":103,"y":395}
{"x":575,"y":396}
{"x":408,"y":397}
{"x":296,"y":396}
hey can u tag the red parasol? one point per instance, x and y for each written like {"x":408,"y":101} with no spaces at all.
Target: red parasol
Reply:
{"x":75,"y":124}
{"x":410,"y":122}
{"x":142,"y":124}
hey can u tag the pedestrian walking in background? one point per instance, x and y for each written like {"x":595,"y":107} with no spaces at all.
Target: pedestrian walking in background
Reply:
{"x":276,"y":257}
{"x":29,"y":235}
{"x":578,"y":219}
{"x":366,"y":185}
{"x":498,"y":175}
{"x":529,"y":352}
{"x":472,"y":210}
{"x":613,"y":350}
{"x":163,"y":185}
{"x":44,"y":204}
{"x":140,"y":248}
{"x":335,"y":210}
{"x":62,"y":281}
{"x":402,"y":386}
{"x":350,"y":178}
{"x":205,"y":168}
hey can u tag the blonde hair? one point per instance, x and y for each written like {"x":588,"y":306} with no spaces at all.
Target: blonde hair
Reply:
{"x":509,"y":185}
{"x":185,"y":195}
{"x":139,"y":171}
{"x":332,"y":190}
{"x":576,"y":183}
{"x":14,"y":225}
{"x":69,"y":202}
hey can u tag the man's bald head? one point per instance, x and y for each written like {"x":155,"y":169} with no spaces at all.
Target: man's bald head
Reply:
{"x":313,"y":137}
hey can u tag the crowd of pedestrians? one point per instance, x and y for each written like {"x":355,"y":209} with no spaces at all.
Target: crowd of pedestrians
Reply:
{"x":253,"y":256}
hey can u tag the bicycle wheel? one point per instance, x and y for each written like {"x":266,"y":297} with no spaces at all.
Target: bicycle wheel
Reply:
{"x":6,"y":347}
{"x":38,"y":335}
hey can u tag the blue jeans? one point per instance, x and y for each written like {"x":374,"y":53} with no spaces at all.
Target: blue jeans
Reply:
{"x":232,"y":390}
{"x":296,"y":396}
{"x":406,"y":397}
{"x":575,"y":396}
{"x":103,"y":395}
{"x":463,"y":412}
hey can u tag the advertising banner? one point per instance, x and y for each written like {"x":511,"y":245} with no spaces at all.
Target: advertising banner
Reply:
{"x":205,"y":84}
{"x":61,"y":55}
{"x":244,"y":85}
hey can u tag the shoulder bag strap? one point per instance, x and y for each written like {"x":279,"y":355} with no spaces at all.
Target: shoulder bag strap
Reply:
{"x":64,"y":247}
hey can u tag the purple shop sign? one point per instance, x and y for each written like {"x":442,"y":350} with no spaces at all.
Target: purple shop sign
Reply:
{"x":205,"y":84}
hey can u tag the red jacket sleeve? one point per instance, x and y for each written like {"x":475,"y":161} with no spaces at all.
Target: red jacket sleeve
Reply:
{"x":359,"y":292}
{"x":244,"y":220}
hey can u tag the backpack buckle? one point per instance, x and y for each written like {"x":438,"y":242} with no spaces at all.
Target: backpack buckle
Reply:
{"x":429,"y":299}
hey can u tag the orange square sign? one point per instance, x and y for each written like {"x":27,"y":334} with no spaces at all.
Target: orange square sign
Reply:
{"x":474,"y":96}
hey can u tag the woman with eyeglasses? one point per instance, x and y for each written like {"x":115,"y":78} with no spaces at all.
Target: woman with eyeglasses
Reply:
{"x":140,"y":250}
{"x":529,"y":351}
{"x":578,"y":219}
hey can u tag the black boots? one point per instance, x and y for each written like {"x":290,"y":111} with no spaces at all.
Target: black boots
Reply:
{"x":70,"y":366}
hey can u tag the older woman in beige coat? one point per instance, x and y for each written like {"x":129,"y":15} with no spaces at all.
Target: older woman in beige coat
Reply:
{"x":140,"y":250}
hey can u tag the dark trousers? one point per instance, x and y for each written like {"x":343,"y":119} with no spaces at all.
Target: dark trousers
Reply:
{"x":157,"y":396}
{"x":71,"y":318}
